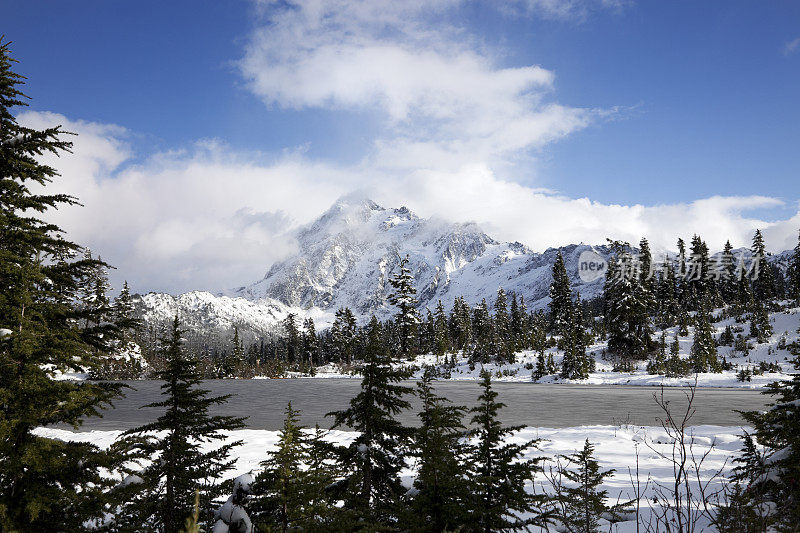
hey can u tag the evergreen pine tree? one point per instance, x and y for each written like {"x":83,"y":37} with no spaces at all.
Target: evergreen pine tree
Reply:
{"x":441,"y":490}
{"x":45,"y":484}
{"x":292,"y":332}
{"x":497,"y":472}
{"x":728,"y":284}
{"x":560,"y":298}
{"x":626,"y":303}
{"x":704,"y":348}
{"x":764,"y":282}
{"x":289,"y":493}
{"x":580,"y":502}
{"x":482,"y":333}
{"x":794,"y":274}
{"x":442,"y":336}
{"x":372,"y":487}
{"x":310,"y":343}
{"x":697,"y":276}
{"x":176,"y":447}
{"x":519,"y":314}
{"x":404,"y":298}
{"x":503,"y":344}
{"x":343,"y":335}
{"x":778,"y":430}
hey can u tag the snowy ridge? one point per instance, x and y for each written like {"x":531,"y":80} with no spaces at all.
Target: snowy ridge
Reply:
{"x":202,"y":311}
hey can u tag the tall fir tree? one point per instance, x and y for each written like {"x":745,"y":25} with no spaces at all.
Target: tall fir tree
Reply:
{"x":404,"y":297}
{"x":763,"y":281}
{"x":371,"y":486}
{"x":343,"y":335}
{"x":704,"y":347}
{"x":498,"y":473}
{"x":293,"y":341}
{"x":310,"y":343}
{"x":441,"y":332}
{"x":794,"y":274}
{"x":441,"y":489}
{"x":45,"y":484}
{"x":626,"y":303}
{"x":502,"y":335}
{"x":482,"y":333}
{"x":560,"y":298}
{"x":728,"y":282}
{"x":175,"y":449}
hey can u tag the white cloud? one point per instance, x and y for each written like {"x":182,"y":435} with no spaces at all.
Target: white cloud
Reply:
{"x":209,"y":218}
{"x":791,"y":46}
{"x":446,"y":99}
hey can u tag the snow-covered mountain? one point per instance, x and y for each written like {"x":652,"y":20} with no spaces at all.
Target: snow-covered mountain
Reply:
{"x":348,"y":255}
{"x":346,"y":259}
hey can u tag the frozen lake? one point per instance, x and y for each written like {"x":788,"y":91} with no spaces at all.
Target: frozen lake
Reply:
{"x":529,"y":404}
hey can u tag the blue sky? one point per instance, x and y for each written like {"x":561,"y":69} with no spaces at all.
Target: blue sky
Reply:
{"x":651,"y":103}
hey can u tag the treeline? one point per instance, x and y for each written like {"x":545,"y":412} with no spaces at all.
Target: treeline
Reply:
{"x":640,"y":296}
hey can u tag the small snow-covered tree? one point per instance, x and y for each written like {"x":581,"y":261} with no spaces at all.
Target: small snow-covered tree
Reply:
{"x":579,"y":502}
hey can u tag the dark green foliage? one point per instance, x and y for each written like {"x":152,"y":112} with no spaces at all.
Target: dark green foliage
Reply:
{"x":497,"y":472}
{"x":371,"y":487}
{"x":760,"y":326}
{"x":578,"y":501}
{"x":293,"y":344}
{"x":626,"y":307}
{"x":794,"y":274}
{"x":503,"y":344}
{"x":774,"y":478}
{"x":704,"y":348}
{"x":179,"y":467}
{"x":442,"y":490}
{"x":764,"y":282}
{"x":289,"y":492}
{"x":45,"y":484}
{"x":560,"y":298}
{"x":441,"y":331}
{"x":343,"y":335}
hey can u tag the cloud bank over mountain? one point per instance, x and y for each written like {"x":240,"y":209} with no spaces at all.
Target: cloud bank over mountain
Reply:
{"x":211,"y":218}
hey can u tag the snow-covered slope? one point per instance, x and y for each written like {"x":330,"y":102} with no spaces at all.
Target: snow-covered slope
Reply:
{"x":350,"y":252}
{"x":202,"y":311}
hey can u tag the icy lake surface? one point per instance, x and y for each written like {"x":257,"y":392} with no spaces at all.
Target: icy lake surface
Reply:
{"x":528,"y":404}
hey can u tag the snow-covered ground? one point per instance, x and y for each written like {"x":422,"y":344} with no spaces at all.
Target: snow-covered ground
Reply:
{"x":617,"y":447}
{"x":785,"y":325}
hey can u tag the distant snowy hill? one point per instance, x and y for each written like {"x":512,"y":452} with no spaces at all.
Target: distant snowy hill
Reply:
{"x":203,"y":312}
